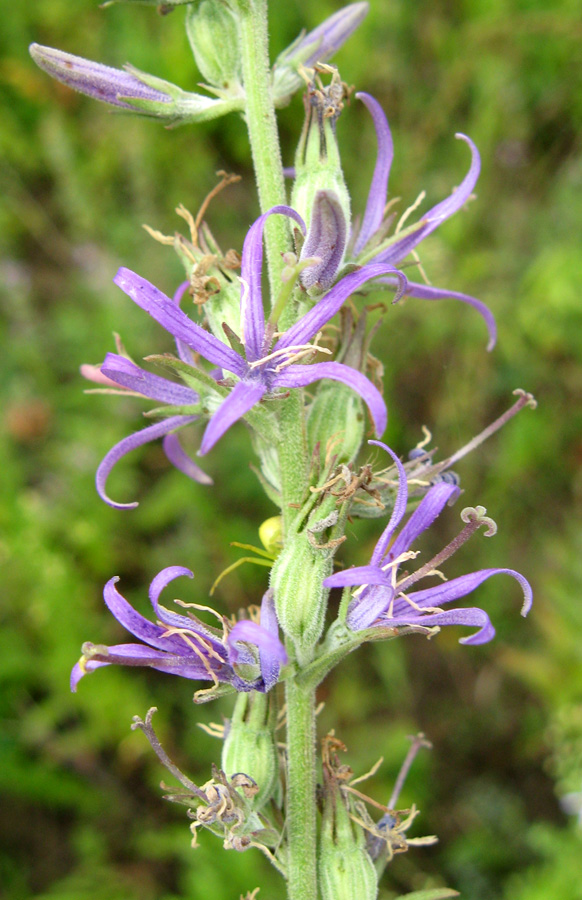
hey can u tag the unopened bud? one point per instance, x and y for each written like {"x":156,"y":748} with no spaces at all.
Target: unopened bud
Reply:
{"x":250,"y":746}
{"x":326,"y":239}
{"x":213,"y":34}
{"x":164,"y":6}
{"x":129,"y":89}
{"x":317,"y":46}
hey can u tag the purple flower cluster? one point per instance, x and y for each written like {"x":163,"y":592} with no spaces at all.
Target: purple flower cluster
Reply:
{"x":264,"y":368}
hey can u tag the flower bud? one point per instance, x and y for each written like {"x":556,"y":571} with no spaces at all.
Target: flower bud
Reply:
{"x":300,"y":598}
{"x":326,"y":240}
{"x":345,"y":868}
{"x":213,"y":34}
{"x":337,"y":421}
{"x":250,"y":746}
{"x":319,"y":192}
{"x":129,"y":89}
{"x":317,"y":46}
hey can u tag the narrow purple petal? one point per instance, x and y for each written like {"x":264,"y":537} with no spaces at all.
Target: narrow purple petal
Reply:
{"x":242,"y":398}
{"x":127,"y":374}
{"x":379,"y":187}
{"x":300,"y":376}
{"x":269,"y":662}
{"x":182,"y":461}
{"x":431,"y":506}
{"x":368,"y":606}
{"x":428,"y":292}
{"x":439,"y":213}
{"x":252,"y":314}
{"x":469,"y":616}
{"x":269,"y":619}
{"x":399,"y":506}
{"x":326,"y":239}
{"x":314,"y":320}
{"x":176,"y":620}
{"x":151,"y":433}
{"x":137,"y":624}
{"x":460,"y":587}
{"x":177,"y":323}
{"x":183,"y":349}
{"x":158,"y":584}
{"x":140,"y":655}
{"x":358,"y":575}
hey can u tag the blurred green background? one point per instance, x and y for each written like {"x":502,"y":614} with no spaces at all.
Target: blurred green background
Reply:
{"x":81,"y":813}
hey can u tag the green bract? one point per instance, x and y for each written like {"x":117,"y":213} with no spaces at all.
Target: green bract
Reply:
{"x":213,"y":34}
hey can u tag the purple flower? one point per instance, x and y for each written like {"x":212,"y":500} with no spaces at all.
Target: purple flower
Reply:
{"x":119,"y":371}
{"x":247,"y":655}
{"x":385,"y":599}
{"x":266,"y":366}
{"x":368,"y":241}
{"x":369,"y":244}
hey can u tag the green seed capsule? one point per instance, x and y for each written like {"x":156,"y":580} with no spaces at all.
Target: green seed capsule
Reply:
{"x":300,"y":598}
{"x":337,"y":421}
{"x":346,"y":871}
{"x":250,"y":746}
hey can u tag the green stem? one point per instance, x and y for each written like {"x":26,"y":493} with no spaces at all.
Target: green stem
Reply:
{"x":264,"y":140}
{"x":292,"y":451}
{"x":263,"y":134}
{"x":300,"y":796}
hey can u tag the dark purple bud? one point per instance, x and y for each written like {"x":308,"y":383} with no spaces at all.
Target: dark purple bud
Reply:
{"x":326,"y":240}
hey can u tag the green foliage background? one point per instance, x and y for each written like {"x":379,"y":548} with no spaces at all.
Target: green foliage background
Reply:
{"x":81,"y":814}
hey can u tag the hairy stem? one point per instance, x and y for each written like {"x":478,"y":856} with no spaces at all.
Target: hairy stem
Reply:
{"x":263,"y":134}
{"x":300,"y":797}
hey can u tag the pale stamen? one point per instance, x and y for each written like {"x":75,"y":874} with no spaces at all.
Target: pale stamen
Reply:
{"x":300,"y":349}
{"x":409,"y":211}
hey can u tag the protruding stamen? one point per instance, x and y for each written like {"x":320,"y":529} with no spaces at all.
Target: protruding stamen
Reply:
{"x":475,"y":517}
{"x":525,"y":399}
{"x":409,"y":212}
